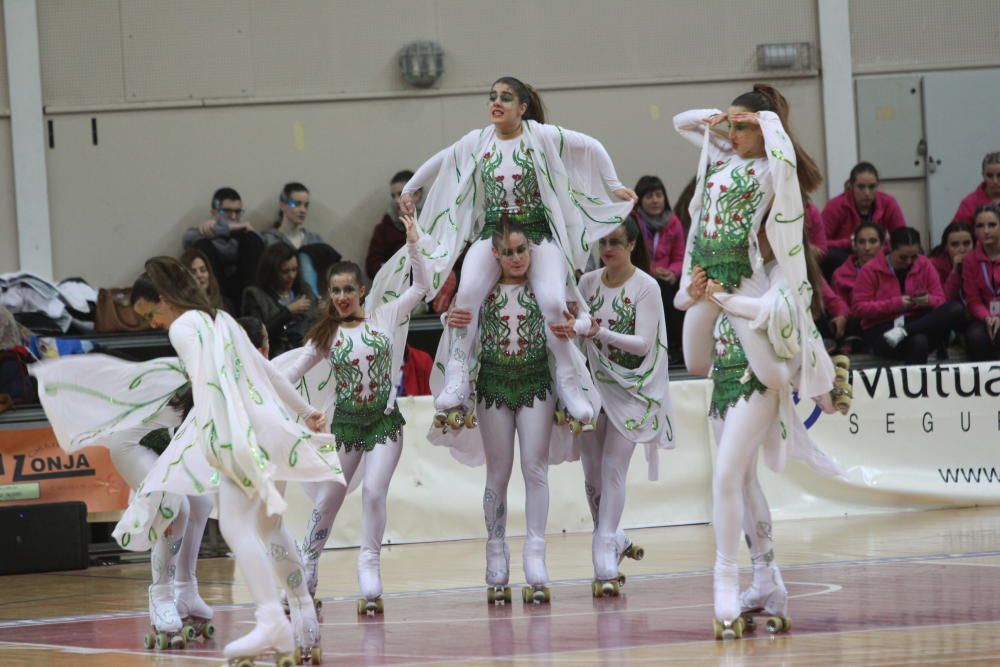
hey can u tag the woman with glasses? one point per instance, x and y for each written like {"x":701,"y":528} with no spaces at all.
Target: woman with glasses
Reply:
{"x":315,"y":254}
{"x":556,"y":183}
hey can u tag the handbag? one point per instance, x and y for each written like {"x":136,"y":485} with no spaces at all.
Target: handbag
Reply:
{"x":114,"y":312}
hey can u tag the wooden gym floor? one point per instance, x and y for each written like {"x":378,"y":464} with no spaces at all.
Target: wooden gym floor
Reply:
{"x":890,"y":589}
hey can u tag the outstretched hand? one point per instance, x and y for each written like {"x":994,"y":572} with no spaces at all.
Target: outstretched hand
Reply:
{"x":699,"y":283}
{"x":406,"y":203}
{"x":746,"y":117}
{"x":412,"y":231}
{"x":626,"y":194}
{"x":564,"y":329}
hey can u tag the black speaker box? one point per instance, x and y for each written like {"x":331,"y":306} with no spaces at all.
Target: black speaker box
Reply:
{"x":43,"y":538}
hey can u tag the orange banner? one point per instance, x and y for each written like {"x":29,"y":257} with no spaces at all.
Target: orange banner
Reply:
{"x":31,"y":456}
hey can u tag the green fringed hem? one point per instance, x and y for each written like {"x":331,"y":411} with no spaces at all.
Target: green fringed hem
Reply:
{"x":514,"y":385}
{"x":536,"y":226}
{"x":625,"y":359}
{"x":726,"y":265}
{"x":156,"y":440}
{"x":727,"y":390}
{"x":361,"y":431}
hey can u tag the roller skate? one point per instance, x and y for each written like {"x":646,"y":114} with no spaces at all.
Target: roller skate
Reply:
{"x":167,"y":628}
{"x":574,"y":410}
{"x":842,"y":392}
{"x":271,"y":638}
{"x":535,"y":573}
{"x":728,"y":623}
{"x":370,"y":582}
{"x":453,"y":405}
{"x":195,"y":614}
{"x":306,"y":631}
{"x":608,"y":581}
{"x":497,"y":572}
{"x":631,"y":550}
{"x":766,"y":597}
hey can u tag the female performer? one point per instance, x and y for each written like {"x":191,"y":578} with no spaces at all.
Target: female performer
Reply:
{"x":552,"y":181}
{"x":627,"y":350}
{"x":360,"y":344}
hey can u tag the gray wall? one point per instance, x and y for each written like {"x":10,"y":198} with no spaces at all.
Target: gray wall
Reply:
{"x":190,"y":95}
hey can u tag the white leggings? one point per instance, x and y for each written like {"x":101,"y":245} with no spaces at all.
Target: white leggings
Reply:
{"x":380,"y":463}
{"x":606,"y":455}
{"x":738,"y":502}
{"x":534,"y":426}
{"x":175,"y":556}
{"x":547,"y":277}
{"x":699,"y":346}
{"x":264,"y":551}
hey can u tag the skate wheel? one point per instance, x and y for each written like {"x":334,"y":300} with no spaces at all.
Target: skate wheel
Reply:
{"x":379,"y":605}
{"x":189,"y":632}
{"x":621,"y":579}
{"x":297,"y":655}
{"x":559,"y":416}
{"x":491,"y":595}
{"x":208,"y":631}
{"x":148,"y":641}
{"x":316,"y":655}
{"x":575,"y":427}
{"x":470,"y":421}
{"x":776,"y":624}
{"x":749,"y":623}
{"x":506,"y":594}
{"x":286,"y":661}
{"x":589,"y":426}
{"x":178,"y":642}
{"x":841,"y":361}
{"x":440,"y":420}
{"x":456,"y":420}
{"x":597,"y":589}
{"x":362,"y":606}
{"x":527,"y":594}
{"x":244,"y":662}
{"x":162,"y":641}
{"x":546,"y":595}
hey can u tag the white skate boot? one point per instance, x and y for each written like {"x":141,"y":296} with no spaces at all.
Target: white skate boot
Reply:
{"x":194,"y":612}
{"x":628,"y":549}
{"x":164,"y":619}
{"x":497,"y":572}
{"x":535,"y":573}
{"x":727,"y":624}
{"x":578,"y":412}
{"x":768,"y":597}
{"x":607,"y":580}
{"x":370,"y":582}
{"x":452,"y":404}
{"x":306,"y":630}
{"x":271,"y":636}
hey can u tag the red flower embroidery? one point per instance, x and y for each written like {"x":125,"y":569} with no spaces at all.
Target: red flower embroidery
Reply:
{"x":718,"y":163}
{"x":520,"y":211}
{"x":611,"y":323}
{"x":628,"y":301}
{"x":505,"y":318}
{"x":718,"y":219}
{"x":519,"y":202}
{"x":373,"y":384}
{"x":535,"y":193}
{"x":500,"y":178}
{"x":737,"y":217}
{"x":723,"y":188}
{"x":516,"y":177}
{"x":710,"y":184}
{"x":715,"y":235}
{"x":520,"y":317}
{"x":746,"y":195}
{"x":355,"y":362}
{"x":520,"y":352}
{"x":751,"y":172}
{"x":486,"y":155}
{"x":370,"y":357}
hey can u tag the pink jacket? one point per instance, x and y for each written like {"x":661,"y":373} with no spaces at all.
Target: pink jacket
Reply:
{"x":979,"y":293}
{"x":967,"y":209}
{"x":815,"y":228}
{"x":844,"y":277}
{"x":841,"y":217}
{"x":834,"y":305}
{"x":951,"y":280}
{"x":669,"y":251}
{"x":877,"y":298}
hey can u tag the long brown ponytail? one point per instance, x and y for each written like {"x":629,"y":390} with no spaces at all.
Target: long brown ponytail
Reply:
{"x":166,"y":277}
{"x":765,"y":97}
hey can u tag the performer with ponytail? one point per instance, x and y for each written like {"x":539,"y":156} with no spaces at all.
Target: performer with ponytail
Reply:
{"x":360,"y":379}
{"x":626,"y":344}
{"x":755,"y":176}
{"x":556,"y":183}
{"x":238,"y":440}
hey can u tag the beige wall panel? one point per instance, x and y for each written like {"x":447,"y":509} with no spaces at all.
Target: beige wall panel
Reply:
{"x":317,"y":46}
{"x":8,"y":218}
{"x":81,"y":52}
{"x":912,"y":196}
{"x":911,"y":35}
{"x":3,"y":63}
{"x":186,"y":49}
{"x":154,"y":172}
{"x":569,"y":42}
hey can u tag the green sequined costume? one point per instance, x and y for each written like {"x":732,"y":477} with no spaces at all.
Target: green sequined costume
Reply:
{"x":527,"y":207}
{"x":729,"y":370}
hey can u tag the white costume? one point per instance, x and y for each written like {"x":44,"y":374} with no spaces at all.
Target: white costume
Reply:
{"x":628,"y":359}
{"x":357,"y":390}
{"x":557,"y":184}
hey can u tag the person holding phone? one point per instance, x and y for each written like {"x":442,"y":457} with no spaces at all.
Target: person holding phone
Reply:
{"x":900,"y":302}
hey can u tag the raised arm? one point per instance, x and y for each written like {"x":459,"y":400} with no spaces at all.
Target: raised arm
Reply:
{"x":579,"y":146}
{"x":427,"y":172}
{"x":396,"y":309}
{"x":306,"y":357}
{"x":692,"y":126}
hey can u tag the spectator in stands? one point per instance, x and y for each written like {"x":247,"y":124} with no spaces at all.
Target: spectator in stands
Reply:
{"x":664,"y":238}
{"x":197,"y":263}
{"x":231,"y":246}
{"x":866,"y":245}
{"x":956,"y":242}
{"x":861,"y":201}
{"x":832,"y":321}
{"x":981,"y":285}
{"x":416,"y":378}
{"x":315,"y":254}
{"x":988,"y":192}
{"x":280,"y":299}
{"x":389,"y":235}
{"x":899,"y":299}
{"x":816,"y":231}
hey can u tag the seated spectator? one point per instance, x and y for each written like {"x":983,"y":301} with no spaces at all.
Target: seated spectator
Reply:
{"x":861,"y":202}
{"x":665,"y":241}
{"x":832,"y":322}
{"x":201,"y":269}
{"x":866,"y":245}
{"x":816,"y":231}
{"x":899,"y":299}
{"x":416,"y":378}
{"x":315,"y":254}
{"x":956,"y":242}
{"x":231,"y":246}
{"x":389,"y":235}
{"x":988,"y":192}
{"x":981,"y":285}
{"x":280,"y":299}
